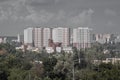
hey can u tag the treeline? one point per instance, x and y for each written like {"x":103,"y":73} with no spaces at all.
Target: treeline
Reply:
{"x":17,"y":65}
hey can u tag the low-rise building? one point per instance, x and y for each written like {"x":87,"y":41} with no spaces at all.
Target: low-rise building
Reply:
{"x":68,"y":49}
{"x":107,"y":60}
{"x":49,"y":49}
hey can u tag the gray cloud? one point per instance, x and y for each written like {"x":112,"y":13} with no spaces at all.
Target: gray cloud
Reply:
{"x":61,"y":18}
{"x":82,"y":19}
{"x":41,"y":2}
{"x":3,"y":0}
{"x":19,"y":13}
{"x":110,"y":12}
{"x":41,"y":17}
{"x":2,"y":15}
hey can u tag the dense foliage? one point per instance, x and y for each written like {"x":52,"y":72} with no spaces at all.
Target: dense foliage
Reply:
{"x":17,"y":65}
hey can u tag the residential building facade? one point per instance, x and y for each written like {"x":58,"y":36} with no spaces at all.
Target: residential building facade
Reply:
{"x":28,"y":36}
{"x":82,"y":37}
{"x":61,"y":35}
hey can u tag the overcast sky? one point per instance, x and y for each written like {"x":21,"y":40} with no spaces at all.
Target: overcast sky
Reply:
{"x":101,"y":15}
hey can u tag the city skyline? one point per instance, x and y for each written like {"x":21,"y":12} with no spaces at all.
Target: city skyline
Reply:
{"x":80,"y":37}
{"x":101,"y":15}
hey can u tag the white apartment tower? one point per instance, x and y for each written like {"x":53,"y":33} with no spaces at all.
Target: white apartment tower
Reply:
{"x":28,"y":36}
{"x":47,"y":34}
{"x":61,"y":35}
{"x":82,"y":37}
{"x":38,"y":37}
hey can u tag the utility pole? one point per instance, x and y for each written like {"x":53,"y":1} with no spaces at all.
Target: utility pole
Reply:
{"x":73,"y":71}
{"x":74,"y":68}
{"x":29,"y":75}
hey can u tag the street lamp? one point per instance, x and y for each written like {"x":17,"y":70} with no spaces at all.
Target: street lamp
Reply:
{"x":79,"y":61}
{"x":74,"y":68}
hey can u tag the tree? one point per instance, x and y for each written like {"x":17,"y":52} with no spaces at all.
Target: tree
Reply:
{"x":63,"y":68}
{"x":18,"y":74}
{"x":49,"y":64}
{"x":9,"y":48}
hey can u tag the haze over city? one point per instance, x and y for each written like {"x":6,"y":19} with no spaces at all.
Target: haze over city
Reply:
{"x":101,"y":15}
{"x":59,"y":39}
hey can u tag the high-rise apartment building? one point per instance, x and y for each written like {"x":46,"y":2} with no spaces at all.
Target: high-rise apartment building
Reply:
{"x":28,"y":36}
{"x":103,"y":38}
{"x":41,"y":37}
{"x":82,"y":37}
{"x":20,"y":38}
{"x":38,"y":37}
{"x":61,"y":35}
{"x":47,"y":34}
